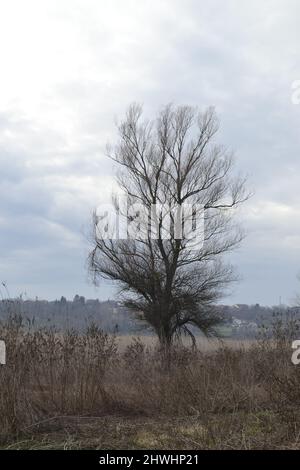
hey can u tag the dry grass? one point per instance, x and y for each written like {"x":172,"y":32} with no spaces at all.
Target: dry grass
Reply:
{"x":88,"y":391}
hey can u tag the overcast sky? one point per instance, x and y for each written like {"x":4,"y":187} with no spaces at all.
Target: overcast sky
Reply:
{"x":69,"y":68}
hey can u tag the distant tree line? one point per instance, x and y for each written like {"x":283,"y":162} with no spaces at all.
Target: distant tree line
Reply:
{"x":111,"y":316}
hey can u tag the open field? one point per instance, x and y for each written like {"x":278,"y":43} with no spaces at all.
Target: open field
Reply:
{"x":80,"y":391}
{"x":203,"y":344}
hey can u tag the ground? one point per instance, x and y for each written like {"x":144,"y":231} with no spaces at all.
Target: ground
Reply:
{"x":231,"y":431}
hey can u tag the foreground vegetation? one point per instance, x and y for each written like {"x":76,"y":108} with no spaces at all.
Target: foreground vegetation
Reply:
{"x":71,"y":390}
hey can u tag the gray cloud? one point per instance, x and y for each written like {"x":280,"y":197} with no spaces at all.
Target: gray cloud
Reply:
{"x":61,"y":93}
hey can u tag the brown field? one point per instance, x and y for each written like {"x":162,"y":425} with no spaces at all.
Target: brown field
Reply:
{"x":95,"y":391}
{"x":203,"y":344}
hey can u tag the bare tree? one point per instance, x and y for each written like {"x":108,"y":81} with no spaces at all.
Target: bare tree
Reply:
{"x":172,"y":273}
